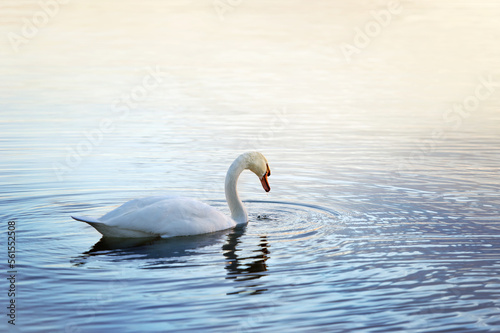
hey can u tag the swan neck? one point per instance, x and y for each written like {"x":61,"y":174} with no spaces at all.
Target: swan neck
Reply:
{"x":238,"y":211}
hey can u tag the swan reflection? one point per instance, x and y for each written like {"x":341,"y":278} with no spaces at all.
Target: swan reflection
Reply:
{"x":158,"y":252}
{"x":241,"y":269}
{"x":161,"y":253}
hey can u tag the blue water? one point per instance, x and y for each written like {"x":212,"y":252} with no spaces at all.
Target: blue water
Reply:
{"x":384,"y":209}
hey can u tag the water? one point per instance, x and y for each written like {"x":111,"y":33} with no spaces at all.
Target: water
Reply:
{"x":383,"y":213}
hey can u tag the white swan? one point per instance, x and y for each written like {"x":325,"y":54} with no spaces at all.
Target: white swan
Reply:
{"x":169,"y":216}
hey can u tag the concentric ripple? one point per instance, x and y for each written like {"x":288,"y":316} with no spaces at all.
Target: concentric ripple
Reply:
{"x":288,"y":221}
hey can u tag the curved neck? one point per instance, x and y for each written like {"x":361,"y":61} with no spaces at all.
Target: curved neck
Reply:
{"x":238,"y":211}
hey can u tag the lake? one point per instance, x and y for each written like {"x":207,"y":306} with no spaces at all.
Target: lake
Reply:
{"x":380,"y":121}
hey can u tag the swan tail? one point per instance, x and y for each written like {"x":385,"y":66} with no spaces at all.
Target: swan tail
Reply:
{"x":113,"y":231}
{"x":98,"y":225}
{"x":87,"y":219}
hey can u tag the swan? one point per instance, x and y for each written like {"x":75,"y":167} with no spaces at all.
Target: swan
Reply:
{"x":169,"y":216}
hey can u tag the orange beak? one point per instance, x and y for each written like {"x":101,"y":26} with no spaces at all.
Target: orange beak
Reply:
{"x":265,"y":181}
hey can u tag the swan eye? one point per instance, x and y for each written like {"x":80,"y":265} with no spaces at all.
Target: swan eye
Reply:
{"x":268,"y":171}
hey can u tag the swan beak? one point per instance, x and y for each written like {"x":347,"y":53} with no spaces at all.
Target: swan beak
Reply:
{"x":265,"y":181}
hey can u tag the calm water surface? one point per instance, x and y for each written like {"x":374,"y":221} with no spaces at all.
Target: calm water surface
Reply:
{"x":384,"y":209}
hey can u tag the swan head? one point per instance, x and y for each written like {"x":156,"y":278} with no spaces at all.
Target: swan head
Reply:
{"x":257,"y":163}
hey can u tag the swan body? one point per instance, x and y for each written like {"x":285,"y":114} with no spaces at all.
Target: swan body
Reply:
{"x":168,"y":216}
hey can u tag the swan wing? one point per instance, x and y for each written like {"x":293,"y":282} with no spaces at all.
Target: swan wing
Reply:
{"x":133,"y":206}
{"x":164,"y":216}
